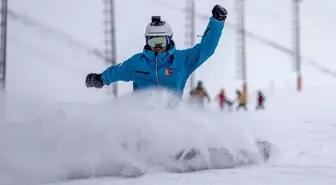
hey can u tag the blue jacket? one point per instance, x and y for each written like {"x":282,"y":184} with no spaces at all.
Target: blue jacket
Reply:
{"x":169,"y":69}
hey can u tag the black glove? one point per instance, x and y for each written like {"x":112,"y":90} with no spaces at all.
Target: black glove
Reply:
{"x":219,"y":13}
{"x":94,"y":80}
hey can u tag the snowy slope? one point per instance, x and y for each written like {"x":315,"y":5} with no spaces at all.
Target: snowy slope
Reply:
{"x":73,"y":138}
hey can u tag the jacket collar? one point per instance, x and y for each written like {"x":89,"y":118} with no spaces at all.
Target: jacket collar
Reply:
{"x":162,"y":57}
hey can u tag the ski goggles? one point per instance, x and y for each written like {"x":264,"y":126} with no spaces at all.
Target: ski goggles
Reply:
{"x":158,"y":41}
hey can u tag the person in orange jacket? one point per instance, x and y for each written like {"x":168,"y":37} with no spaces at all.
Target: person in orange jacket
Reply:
{"x":241,"y":98}
{"x":199,"y":94}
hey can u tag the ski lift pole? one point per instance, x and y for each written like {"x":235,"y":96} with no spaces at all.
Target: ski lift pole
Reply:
{"x":190,"y":32}
{"x":241,"y":44}
{"x":296,"y":42}
{"x":110,"y":38}
{"x":3,"y":44}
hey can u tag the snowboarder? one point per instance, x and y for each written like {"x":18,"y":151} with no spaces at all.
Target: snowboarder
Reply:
{"x":260,"y":101}
{"x":199,"y":94}
{"x":241,"y":100}
{"x":160,"y":65}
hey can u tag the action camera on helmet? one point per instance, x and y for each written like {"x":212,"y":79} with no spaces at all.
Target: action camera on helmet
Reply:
{"x":156,"y":21}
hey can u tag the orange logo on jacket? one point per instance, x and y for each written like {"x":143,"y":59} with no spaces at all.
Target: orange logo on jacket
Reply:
{"x":169,"y":72}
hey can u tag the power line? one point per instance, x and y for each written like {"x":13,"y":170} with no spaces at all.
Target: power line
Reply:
{"x":28,"y":21}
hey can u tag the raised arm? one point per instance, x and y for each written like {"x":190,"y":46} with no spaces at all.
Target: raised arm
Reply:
{"x":198,"y":54}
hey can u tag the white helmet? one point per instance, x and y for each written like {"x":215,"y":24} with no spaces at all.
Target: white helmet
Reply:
{"x":158,"y":28}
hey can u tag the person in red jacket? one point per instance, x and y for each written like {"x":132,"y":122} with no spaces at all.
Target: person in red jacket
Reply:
{"x":221,"y":99}
{"x":260,"y":100}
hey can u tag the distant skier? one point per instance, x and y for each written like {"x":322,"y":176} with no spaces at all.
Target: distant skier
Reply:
{"x":221,"y":97}
{"x":223,"y":100}
{"x":260,"y":101}
{"x":241,"y":101}
{"x":199,"y":94}
{"x":160,"y":65}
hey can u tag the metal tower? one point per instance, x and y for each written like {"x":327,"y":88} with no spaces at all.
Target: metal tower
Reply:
{"x":3,"y":44}
{"x":190,"y":32}
{"x":110,"y":38}
{"x":241,"y":44}
{"x":296,"y":41}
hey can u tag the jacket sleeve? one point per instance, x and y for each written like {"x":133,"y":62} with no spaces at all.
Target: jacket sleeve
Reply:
{"x":119,"y":72}
{"x":198,"y":54}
